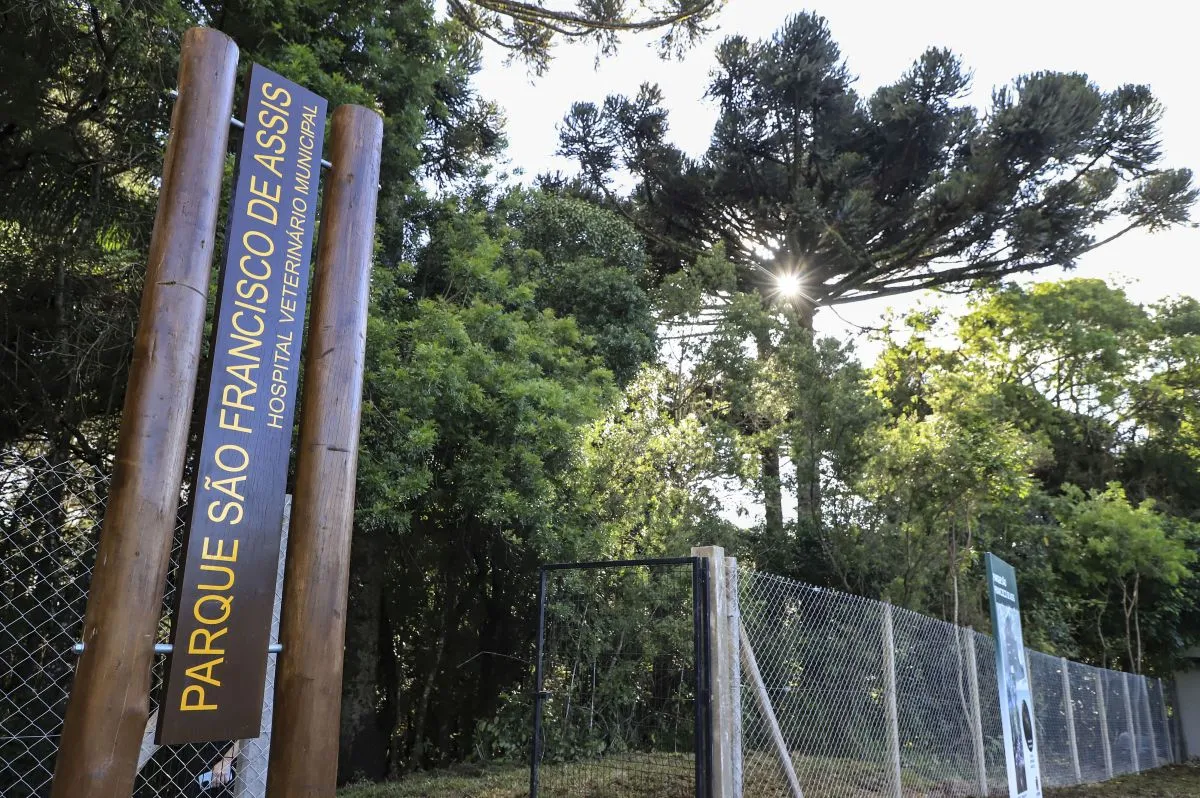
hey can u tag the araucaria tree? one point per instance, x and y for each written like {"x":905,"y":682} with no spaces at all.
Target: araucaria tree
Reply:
{"x":859,"y":197}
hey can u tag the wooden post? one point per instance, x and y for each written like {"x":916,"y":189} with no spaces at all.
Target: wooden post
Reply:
{"x":968,"y":641}
{"x":1133,"y":752}
{"x":889,"y":685}
{"x":1101,"y":687}
{"x":109,"y":705}
{"x":768,"y":713}
{"x":721,"y":716}
{"x":734,"y":623}
{"x":308,"y":687}
{"x":1069,"y":706}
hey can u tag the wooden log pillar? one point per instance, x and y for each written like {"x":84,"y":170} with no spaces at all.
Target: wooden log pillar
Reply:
{"x":308,"y":687}
{"x":109,"y":705}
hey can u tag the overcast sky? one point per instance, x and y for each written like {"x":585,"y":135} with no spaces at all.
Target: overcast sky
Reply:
{"x":1152,"y":42}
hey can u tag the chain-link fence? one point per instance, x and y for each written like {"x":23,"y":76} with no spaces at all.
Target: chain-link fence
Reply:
{"x":50,"y":517}
{"x":872,"y":700}
{"x":621,"y":678}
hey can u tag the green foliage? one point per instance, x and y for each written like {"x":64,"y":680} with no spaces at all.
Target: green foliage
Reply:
{"x":1118,"y":555}
{"x":530,"y":30}
{"x":86,"y":111}
{"x":867,"y":196}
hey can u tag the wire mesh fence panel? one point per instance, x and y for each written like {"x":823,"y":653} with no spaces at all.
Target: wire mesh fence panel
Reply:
{"x":619,"y":675}
{"x":1120,"y":740}
{"x":1158,"y":722}
{"x":1086,"y":682}
{"x":50,"y":523}
{"x":1050,"y":717}
{"x":989,"y":711}
{"x":937,"y":750}
{"x":49,"y":516}
{"x":821,"y":658}
{"x":1143,"y":723}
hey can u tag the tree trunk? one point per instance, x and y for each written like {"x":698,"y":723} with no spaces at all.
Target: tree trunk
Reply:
{"x":363,"y":745}
{"x":807,"y":450}
{"x":770,"y":481}
{"x":772,"y":489}
{"x":417,"y":753}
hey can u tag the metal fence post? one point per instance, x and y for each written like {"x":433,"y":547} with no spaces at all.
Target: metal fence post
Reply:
{"x":735,"y":670}
{"x":535,"y":756}
{"x":1133,"y":752}
{"x":720,"y":716}
{"x":1145,"y":683}
{"x":1162,"y":708}
{"x":1101,"y":687}
{"x":967,"y":640}
{"x":1069,"y":706}
{"x":889,"y":679}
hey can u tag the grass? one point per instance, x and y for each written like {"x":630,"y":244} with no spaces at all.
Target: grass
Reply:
{"x":1179,"y":781}
{"x":458,"y":782}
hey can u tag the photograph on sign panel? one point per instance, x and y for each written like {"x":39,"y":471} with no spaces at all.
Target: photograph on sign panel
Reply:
{"x":1017,"y":715}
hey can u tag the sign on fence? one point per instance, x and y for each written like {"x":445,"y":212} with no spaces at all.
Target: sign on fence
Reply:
{"x":1012,"y":678}
{"x":222,"y":624}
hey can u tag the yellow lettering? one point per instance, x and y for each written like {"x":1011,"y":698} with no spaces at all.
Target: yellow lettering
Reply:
{"x":252,"y":210}
{"x":223,"y":604}
{"x":239,"y":401}
{"x":264,"y":191}
{"x":224,"y":510}
{"x":204,"y":672}
{"x":251,"y":333}
{"x":196,"y":690}
{"x":276,"y":94}
{"x":209,"y":637}
{"x":220,"y":568}
{"x":273,"y":144}
{"x":219,"y":554}
{"x":247,"y":289}
{"x":264,"y":253}
{"x":236,"y":424}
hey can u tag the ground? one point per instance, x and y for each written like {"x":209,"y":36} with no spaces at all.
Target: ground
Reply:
{"x":1181,"y":781}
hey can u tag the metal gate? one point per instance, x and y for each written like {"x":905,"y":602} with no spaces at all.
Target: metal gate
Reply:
{"x":622,"y":680}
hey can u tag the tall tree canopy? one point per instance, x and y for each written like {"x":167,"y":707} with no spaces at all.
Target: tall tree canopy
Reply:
{"x":530,"y":28}
{"x":840,"y":197}
{"x":907,"y":188}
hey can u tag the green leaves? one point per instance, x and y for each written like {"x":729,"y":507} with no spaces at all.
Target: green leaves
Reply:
{"x":908,"y":189}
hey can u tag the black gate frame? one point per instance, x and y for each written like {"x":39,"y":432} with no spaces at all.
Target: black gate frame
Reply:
{"x":703,"y":669}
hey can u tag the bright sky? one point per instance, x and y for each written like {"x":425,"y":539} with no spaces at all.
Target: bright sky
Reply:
{"x":1151,"y":41}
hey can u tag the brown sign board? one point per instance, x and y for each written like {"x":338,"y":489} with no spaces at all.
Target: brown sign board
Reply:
{"x":226,"y":583}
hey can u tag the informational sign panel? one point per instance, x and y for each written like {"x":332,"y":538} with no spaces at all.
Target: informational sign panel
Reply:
{"x":226,"y":584}
{"x":1012,"y":677}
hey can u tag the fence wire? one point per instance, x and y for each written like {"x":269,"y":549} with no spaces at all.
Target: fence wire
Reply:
{"x":851,"y":709}
{"x":619,"y":676}
{"x":50,"y":520}
{"x":876,"y":701}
